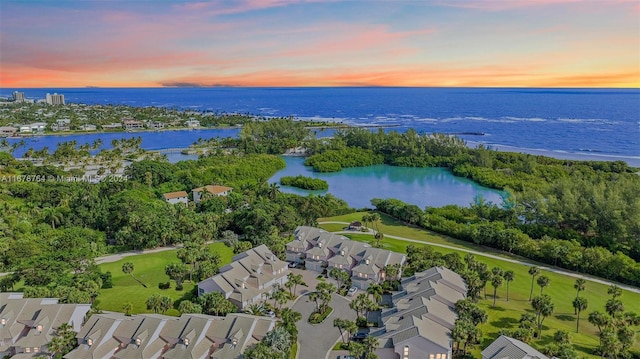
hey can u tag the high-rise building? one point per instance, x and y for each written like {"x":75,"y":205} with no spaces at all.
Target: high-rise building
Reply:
{"x":18,"y":96}
{"x":55,"y":99}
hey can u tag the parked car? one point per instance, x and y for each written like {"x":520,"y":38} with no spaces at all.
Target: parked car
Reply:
{"x":352,"y":291}
{"x":293,"y":264}
{"x":360,"y":336}
{"x":271,"y":314}
{"x":345,"y":357}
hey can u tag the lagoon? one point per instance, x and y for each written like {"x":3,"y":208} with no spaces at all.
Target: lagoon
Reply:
{"x":433,"y":187}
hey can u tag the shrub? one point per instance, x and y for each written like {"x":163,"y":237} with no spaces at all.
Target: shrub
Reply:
{"x":107,"y":281}
{"x":317,"y":318}
{"x":304,"y":182}
{"x":166,"y":285}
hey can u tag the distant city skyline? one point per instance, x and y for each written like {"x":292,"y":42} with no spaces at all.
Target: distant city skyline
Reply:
{"x":282,"y":43}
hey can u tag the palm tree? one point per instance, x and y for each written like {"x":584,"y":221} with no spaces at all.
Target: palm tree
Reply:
{"x":579,"y":286}
{"x":614,"y":307}
{"x":314,"y":296}
{"x":615,"y":291}
{"x":579,"y":304}
{"x":375,"y":290}
{"x":375,"y":219}
{"x":127,"y":308}
{"x":340,"y":324}
{"x":128,"y":268}
{"x":533,"y":271}
{"x":496,"y":282}
{"x":357,"y":350}
{"x":165,"y":303}
{"x":351,"y":328}
{"x":279,"y":296}
{"x":154,"y":303}
{"x":289,"y":320}
{"x":52,"y":215}
{"x":543,"y":281}
{"x":255,"y":309}
{"x":274,"y":190}
{"x":543,"y":307}
{"x":366,"y":218}
{"x":370,"y":343}
{"x":296,"y":279}
{"x":509,"y":276}
{"x":56,"y":345}
{"x":339,"y":275}
{"x":359,"y":304}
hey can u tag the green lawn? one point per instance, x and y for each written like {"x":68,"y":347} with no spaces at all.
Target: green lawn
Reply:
{"x":149,"y":269}
{"x":390,"y":225}
{"x":506,"y":314}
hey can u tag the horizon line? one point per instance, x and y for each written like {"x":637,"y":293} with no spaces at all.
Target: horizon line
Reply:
{"x":319,"y":87}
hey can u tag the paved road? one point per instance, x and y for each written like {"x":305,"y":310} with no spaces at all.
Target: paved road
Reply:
{"x":118,"y":256}
{"x":316,"y":340}
{"x":488,"y":255}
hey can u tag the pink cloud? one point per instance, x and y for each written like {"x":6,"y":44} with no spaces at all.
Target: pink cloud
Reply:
{"x":350,"y":39}
{"x":498,"y":5}
{"x":216,"y":8}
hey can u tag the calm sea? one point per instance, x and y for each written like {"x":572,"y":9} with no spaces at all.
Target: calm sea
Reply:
{"x":595,"y":124}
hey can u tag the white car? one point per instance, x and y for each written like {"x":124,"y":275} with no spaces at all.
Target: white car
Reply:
{"x":352,"y":291}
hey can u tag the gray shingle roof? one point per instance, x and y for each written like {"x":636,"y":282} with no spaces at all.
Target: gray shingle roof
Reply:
{"x":509,"y":348}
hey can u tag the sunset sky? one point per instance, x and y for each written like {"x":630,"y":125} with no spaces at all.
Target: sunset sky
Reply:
{"x":144,"y":43}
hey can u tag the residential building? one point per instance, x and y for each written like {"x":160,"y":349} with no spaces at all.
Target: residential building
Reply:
{"x":61,"y":125}
{"x":54,"y":99}
{"x":508,"y":348}
{"x":176,"y":197}
{"x":155,"y":125}
{"x":37,"y":127}
{"x":28,"y":324}
{"x":7,"y":131}
{"x":131,"y":124}
{"x":88,"y":127}
{"x":18,"y":96}
{"x":214,"y":190}
{"x":153,"y":336}
{"x":419,"y":323}
{"x":112,"y":126}
{"x":192,"y":123}
{"x":320,"y":250}
{"x":248,"y":278}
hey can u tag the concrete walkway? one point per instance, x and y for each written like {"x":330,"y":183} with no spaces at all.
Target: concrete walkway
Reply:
{"x":315,"y":341}
{"x":118,"y":256}
{"x":493,"y":256}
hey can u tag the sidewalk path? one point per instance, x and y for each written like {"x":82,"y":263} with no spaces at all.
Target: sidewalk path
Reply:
{"x":493,"y":256}
{"x":118,"y":256}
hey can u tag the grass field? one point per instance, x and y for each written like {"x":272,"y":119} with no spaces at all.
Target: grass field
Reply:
{"x":505,"y":315}
{"x":149,"y":269}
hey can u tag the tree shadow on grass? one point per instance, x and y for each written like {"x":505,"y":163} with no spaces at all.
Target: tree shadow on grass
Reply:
{"x":565,"y":317}
{"x":497,"y":308}
{"x":504,"y":323}
{"x":585,"y":349}
{"x":191,"y":295}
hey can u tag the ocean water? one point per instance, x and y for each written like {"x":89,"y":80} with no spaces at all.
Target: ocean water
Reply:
{"x":598,"y":124}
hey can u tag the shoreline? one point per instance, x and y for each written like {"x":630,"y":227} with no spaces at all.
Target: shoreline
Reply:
{"x":561,"y":154}
{"x":633,"y":161}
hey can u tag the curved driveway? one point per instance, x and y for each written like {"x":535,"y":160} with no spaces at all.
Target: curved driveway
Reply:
{"x":493,"y":256}
{"x":316,"y":340}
